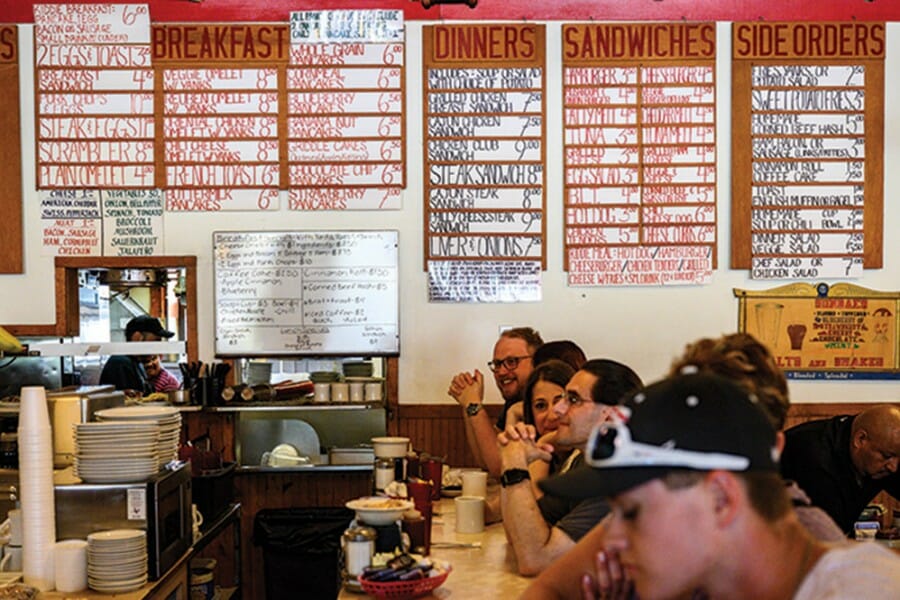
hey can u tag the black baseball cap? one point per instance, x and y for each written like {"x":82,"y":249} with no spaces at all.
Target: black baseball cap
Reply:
{"x":698,"y":421}
{"x":146,"y":324}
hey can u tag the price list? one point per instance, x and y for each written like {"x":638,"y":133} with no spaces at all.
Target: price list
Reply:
{"x":809,"y":98}
{"x":484,"y":159}
{"x":639,"y":153}
{"x":345,"y":110}
{"x":219,"y":115}
{"x":94,"y":96}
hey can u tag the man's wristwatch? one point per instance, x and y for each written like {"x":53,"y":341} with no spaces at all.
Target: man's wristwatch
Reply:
{"x":472,"y":409}
{"x":513,"y":476}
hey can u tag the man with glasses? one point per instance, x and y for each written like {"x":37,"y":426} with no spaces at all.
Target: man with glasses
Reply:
{"x":699,"y":506}
{"x":511,"y":366}
{"x":844,"y":462}
{"x":540,"y":529}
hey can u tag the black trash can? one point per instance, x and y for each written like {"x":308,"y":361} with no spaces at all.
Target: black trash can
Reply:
{"x":301,"y":551}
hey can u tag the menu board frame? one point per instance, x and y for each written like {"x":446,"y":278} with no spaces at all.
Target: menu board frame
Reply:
{"x":11,"y":226}
{"x":843,"y":331}
{"x":777,"y":44}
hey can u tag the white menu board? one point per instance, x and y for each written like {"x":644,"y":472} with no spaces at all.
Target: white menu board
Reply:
{"x":306,"y":292}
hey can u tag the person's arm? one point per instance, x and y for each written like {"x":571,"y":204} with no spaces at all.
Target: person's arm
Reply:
{"x":535,"y":543}
{"x":481,"y":434}
{"x":585,"y":571}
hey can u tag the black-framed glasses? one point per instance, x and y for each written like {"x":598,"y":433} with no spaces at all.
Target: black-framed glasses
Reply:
{"x":509,"y":363}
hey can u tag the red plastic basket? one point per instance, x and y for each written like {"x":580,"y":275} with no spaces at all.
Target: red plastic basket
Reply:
{"x":403,"y":589}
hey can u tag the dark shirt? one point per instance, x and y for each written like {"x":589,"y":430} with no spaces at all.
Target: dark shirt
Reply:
{"x":125,"y":373}
{"x":817,"y":456}
{"x":574,"y":517}
{"x":501,"y":420}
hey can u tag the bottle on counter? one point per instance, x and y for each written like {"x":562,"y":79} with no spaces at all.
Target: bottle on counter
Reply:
{"x":414,"y":526}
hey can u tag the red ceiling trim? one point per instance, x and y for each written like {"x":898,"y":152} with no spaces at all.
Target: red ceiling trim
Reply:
{"x":20,"y":11}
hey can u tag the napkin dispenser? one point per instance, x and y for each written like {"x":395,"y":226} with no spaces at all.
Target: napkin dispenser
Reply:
{"x":77,"y":405}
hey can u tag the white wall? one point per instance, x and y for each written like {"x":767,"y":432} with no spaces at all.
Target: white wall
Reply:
{"x":643,"y":327}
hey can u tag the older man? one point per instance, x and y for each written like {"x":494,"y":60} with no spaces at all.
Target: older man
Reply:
{"x":698,"y":504}
{"x":844,"y":462}
{"x":511,"y":367}
{"x":541,"y":529}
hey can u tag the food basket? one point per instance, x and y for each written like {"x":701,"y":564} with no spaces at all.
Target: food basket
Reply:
{"x":404,"y":589}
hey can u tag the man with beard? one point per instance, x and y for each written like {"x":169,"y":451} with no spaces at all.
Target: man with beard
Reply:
{"x":542,"y":529}
{"x":511,"y":366}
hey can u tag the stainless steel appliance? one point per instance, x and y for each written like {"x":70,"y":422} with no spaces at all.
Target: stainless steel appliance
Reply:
{"x":76,"y":405}
{"x":161,"y":505}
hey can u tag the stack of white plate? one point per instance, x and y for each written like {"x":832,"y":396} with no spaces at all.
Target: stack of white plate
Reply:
{"x":116,"y":452}
{"x":117,"y":560}
{"x":167,"y":417}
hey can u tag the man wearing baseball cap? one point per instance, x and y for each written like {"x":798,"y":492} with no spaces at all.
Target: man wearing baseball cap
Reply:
{"x":698,"y":503}
{"x":127,"y":372}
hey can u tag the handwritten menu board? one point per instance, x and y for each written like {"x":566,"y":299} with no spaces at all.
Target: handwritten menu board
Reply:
{"x":807,"y":148}
{"x":11,"y":259}
{"x":345,"y":110}
{"x":94,"y":96}
{"x":132,"y":222}
{"x":838,"y":332}
{"x":219,"y":97}
{"x":71,"y":223}
{"x":484,"y":158}
{"x":639,"y":153}
{"x":306,"y":292}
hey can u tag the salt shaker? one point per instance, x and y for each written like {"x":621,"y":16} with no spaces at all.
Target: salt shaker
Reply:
{"x":358,"y":543}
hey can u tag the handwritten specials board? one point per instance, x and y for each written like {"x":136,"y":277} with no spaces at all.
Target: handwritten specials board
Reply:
{"x":807,"y":149}
{"x":639,"y":153}
{"x":306,"y":292}
{"x":94,"y":96}
{"x":345,"y":105}
{"x":12,"y":257}
{"x":485,"y":136}
{"x":821,"y":332}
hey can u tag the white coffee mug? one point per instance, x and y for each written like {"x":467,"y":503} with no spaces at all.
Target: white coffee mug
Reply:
{"x":474,"y":483}
{"x":469,"y":514}
{"x":12,"y":559}
{"x":373,"y":392}
{"x":322,"y":392}
{"x":340,"y":392}
{"x":70,"y":565}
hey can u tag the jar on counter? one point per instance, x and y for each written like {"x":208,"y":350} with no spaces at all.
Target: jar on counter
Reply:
{"x":384,"y":473}
{"x":358,"y":544}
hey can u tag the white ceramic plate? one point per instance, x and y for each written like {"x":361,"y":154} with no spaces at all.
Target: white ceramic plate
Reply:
{"x":377,"y":510}
{"x":130,"y":413}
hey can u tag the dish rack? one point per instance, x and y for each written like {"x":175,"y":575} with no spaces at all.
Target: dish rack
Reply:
{"x":400,"y":590}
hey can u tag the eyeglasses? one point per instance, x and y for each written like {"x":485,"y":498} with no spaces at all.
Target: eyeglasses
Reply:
{"x":610,"y":445}
{"x":509,"y":363}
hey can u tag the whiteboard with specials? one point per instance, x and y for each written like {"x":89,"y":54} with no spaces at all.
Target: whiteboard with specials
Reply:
{"x":306,"y":293}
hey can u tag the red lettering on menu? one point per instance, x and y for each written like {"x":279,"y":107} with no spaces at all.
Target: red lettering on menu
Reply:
{"x":484,"y":42}
{"x":9,"y":44}
{"x":682,"y":40}
{"x":811,"y":40}
{"x":219,"y":42}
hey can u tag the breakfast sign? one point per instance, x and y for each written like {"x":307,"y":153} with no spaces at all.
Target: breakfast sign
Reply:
{"x":819,"y":332}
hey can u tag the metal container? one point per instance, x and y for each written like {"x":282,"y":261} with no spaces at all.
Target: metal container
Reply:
{"x":351,"y":456}
{"x":67,"y":407}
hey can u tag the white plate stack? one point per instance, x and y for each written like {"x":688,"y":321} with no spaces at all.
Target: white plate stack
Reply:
{"x":117,"y":560}
{"x":36,"y":489}
{"x":167,"y":417}
{"x":116,"y":452}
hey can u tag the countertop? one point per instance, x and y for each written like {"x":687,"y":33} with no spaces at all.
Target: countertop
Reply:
{"x":485,"y":572}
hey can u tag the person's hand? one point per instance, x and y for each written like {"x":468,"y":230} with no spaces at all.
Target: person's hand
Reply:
{"x":609,"y":581}
{"x":519,"y":447}
{"x":467,"y":388}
